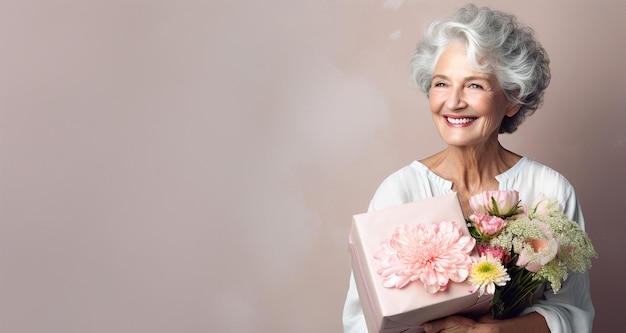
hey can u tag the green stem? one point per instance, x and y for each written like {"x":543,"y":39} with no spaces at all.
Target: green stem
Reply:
{"x":517,"y":294}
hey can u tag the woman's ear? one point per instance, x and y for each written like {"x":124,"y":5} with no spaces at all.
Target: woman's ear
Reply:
{"x":515,"y":105}
{"x":512,"y":109}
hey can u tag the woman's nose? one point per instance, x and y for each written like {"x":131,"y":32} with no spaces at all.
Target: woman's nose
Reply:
{"x":455,"y":100}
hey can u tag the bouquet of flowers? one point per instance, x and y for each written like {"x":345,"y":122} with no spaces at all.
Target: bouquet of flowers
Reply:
{"x":504,"y":251}
{"x":521,"y":248}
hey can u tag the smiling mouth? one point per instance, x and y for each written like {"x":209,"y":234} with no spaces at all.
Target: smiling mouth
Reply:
{"x":460,"y":121}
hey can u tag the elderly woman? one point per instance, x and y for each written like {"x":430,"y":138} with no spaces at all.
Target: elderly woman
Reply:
{"x":483,"y":74}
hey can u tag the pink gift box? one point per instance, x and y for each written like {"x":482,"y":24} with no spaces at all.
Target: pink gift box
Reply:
{"x":404,"y":310}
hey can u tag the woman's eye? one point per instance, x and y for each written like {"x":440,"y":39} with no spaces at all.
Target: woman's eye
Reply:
{"x":439,"y":84}
{"x":475,"y":86}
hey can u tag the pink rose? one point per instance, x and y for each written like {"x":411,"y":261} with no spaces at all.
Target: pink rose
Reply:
{"x":488,"y":225}
{"x":500,"y":203}
{"x":495,"y":252}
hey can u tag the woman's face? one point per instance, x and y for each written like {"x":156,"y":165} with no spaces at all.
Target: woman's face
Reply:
{"x":467,"y":106}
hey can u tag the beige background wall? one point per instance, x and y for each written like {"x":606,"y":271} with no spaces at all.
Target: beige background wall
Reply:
{"x":192,"y":166}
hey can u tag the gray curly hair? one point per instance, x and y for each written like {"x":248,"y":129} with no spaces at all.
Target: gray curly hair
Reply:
{"x":496,"y":44}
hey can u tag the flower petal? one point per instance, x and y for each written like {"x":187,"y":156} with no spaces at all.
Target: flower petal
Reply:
{"x":434,"y":253}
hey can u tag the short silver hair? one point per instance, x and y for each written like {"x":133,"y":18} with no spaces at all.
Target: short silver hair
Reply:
{"x":496,"y":43}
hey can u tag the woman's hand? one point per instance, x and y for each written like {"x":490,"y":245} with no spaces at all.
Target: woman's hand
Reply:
{"x":460,"y":324}
{"x":532,"y":322}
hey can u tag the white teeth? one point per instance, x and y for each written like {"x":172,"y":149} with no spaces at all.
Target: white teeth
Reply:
{"x":460,"y":121}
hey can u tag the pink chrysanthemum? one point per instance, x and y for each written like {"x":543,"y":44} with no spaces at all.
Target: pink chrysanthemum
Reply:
{"x":432,"y":253}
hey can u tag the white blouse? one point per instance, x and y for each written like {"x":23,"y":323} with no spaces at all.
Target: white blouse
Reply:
{"x":570,"y":310}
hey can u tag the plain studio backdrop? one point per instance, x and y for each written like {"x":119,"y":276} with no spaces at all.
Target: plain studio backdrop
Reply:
{"x":193,"y":166}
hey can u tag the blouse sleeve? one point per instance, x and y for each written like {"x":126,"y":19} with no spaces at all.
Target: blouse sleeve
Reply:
{"x":400,"y":187}
{"x":571,"y":308}
{"x":353,"y":320}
